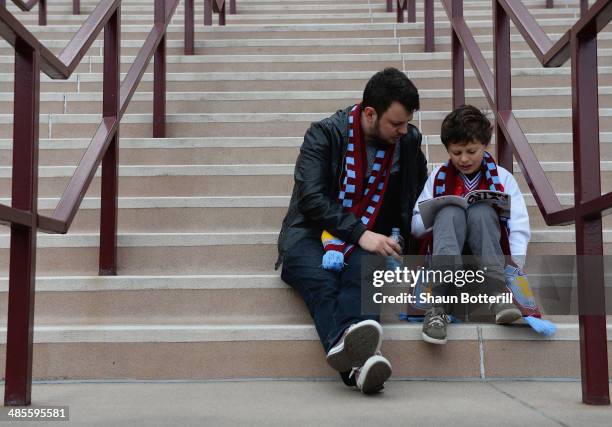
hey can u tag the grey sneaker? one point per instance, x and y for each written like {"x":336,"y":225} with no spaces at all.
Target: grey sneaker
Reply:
{"x":505,"y":313}
{"x":434,"y":326}
{"x":359,"y":342}
{"x":370,"y":378}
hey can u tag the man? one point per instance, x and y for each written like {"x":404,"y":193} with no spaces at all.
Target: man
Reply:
{"x":358,"y":175}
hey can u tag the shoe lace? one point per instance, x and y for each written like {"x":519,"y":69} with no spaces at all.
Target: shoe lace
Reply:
{"x":355,"y":371}
{"x":438,"y":320}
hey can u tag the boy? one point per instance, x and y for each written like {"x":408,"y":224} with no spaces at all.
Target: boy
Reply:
{"x":466,"y":133}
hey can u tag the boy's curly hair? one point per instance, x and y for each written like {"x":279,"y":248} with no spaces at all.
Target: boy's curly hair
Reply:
{"x":464,"y":125}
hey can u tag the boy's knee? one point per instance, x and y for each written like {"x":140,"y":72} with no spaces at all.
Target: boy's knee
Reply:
{"x":481,"y":212}
{"x":451,"y":214}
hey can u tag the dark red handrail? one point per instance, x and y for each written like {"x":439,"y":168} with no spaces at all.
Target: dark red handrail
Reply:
{"x":579,"y":44}
{"x":42,"y":8}
{"x":27,"y":6}
{"x":217,"y":6}
{"x":32,"y":57}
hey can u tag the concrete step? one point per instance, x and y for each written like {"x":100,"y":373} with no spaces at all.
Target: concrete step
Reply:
{"x":215,"y":214}
{"x":233,"y":180}
{"x":228,"y":151}
{"x":213,"y":299}
{"x":205,"y":253}
{"x":289,"y":102}
{"x":259,"y":124}
{"x":302,"y":46}
{"x":304,"y":81}
{"x":259,"y":299}
{"x":348,"y":16}
{"x":301,"y":30}
{"x":320,"y":62}
{"x":271,"y":351}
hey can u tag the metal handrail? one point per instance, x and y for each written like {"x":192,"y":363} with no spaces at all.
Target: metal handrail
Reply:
{"x":217,"y":6}
{"x":26,"y":7}
{"x":579,"y":45}
{"x":32,"y":57}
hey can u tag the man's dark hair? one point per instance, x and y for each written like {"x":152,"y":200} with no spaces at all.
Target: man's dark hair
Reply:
{"x":464,"y":125}
{"x":388,"y":86}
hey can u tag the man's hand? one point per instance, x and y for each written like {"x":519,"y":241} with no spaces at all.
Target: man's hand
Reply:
{"x":380,"y":244}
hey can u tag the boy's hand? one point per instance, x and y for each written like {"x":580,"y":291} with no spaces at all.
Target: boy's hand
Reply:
{"x":379,"y":244}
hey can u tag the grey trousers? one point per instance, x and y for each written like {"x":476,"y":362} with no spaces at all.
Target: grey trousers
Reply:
{"x":476,"y":230}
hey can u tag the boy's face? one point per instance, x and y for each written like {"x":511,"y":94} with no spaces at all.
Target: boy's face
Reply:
{"x":466,"y":157}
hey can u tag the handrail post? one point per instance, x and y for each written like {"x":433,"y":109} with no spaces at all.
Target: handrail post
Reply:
{"x":389,"y":6}
{"x":401,"y":6}
{"x":411,"y":11}
{"x":222,"y":15}
{"x":584,"y":7}
{"x":42,"y":12}
{"x":159,"y":76}
{"x":457,"y":59}
{"x":110,"y":168}
{"x":76,"y":7}
{"x":589,"y":240}
{"x":208,"y":12}
{"x":189,"y":28}
{"x":503,"y":80}
{"x":429,"y":27}
{"x":22,"y":273}
{"x":550,"y":4}
{"x":232,"y":8}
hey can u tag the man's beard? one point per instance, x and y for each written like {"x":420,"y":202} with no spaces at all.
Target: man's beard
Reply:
{"x":375,"y":138}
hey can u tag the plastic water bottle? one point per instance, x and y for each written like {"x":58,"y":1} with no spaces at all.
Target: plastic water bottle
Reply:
{"x":391,"y":262}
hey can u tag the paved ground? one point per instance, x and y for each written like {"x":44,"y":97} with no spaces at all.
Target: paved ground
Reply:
{"x":322,"y":403}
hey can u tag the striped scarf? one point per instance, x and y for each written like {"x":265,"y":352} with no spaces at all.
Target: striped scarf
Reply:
{"x":363,"y":200}
{"x":448,"y":180}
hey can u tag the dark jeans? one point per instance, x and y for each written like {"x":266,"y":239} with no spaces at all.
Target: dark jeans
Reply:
{"x":333,"y":298}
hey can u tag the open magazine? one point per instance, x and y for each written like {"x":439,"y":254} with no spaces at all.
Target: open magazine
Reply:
{"x":429,"y":208}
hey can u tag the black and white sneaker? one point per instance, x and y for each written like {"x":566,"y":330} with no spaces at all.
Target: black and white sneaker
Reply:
{"x":371,"y":377}
{"x":358,"y":343}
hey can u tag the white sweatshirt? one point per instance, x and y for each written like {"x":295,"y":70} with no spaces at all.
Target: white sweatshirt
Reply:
{"x":519,"y":218}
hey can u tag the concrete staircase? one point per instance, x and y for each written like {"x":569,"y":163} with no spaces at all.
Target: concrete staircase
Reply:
{"x":197,"y":296}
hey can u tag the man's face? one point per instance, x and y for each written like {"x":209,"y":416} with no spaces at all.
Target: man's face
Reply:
{"x":390,"y":127}
{"x":466,"y":157}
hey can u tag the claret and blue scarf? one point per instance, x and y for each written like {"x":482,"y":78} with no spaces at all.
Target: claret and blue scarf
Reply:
{"x":363,"y":199}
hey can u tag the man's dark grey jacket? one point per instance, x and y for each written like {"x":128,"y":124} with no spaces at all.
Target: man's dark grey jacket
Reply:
{"x":318,"y":171}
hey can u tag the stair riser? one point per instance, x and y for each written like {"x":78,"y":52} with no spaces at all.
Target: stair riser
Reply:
{"x":248,"y":185}
{"x":387,"y":46}
{"x":176,"y":32}
{"x":277,"y":359}
{"x":545,"y":152}
{"x":182,"y":156}
{"x":338,"y":85}
{"x":217,"y":219}
{"x":237,"y":306}
{"x":155,"y":260}
{"x":239,"y":259}
{"x":287,"y":106}
{"x":265,"y":129}
{"x":184,"y":220}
